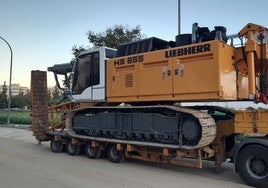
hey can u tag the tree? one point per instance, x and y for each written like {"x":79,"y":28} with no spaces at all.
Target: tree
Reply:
{"x":56,"y":93}
{"x":48,"y":95}
{"x":114,"y":36}
{"x":76,"y":51}
{"x":54,"y":97}
{"x":21,"y":100}
{"x":27,"y":99}
{"x":17,"y":101}
{"x":4,"y":89}
{"x":3,"y":97}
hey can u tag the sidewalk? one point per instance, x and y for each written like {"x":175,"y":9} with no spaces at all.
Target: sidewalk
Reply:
{"x":18,"y":126}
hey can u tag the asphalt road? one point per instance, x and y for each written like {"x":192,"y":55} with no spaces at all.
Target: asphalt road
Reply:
{"x":25,"y":164}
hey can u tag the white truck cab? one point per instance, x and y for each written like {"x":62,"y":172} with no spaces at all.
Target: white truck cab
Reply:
{"x":88,"y":81}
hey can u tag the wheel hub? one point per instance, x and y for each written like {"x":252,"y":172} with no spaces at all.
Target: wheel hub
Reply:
{"x":91,"y":150}
{"x":257,"y":167}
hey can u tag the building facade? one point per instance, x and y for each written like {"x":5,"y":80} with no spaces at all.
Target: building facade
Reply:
{"x":16,"y":89}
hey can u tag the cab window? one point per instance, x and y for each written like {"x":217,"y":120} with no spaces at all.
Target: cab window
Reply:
{"x":86,"y":73}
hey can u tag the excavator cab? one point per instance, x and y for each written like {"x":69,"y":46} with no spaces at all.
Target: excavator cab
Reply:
{"x":86,"y":75}
{"x":88,"y":82}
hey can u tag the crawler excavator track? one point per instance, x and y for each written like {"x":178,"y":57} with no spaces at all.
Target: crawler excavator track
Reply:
{"x":166,"y":126}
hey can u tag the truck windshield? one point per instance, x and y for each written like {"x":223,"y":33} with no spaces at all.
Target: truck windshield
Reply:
{"x":86,"y":72}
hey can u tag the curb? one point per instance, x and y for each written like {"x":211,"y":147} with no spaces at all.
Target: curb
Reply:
{"x":17,"y":126}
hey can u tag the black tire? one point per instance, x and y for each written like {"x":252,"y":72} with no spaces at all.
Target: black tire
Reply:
{"x":92,"y":152}
{"x":73,"y":149}
{"x":114,"y":155}
{"x":56,"y":146}
{"x":252,"y":165}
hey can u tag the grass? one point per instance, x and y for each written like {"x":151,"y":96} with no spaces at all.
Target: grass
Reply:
{"x":16,"y":117}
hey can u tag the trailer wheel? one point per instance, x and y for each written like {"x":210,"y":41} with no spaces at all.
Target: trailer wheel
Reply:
{"x":252,"y":165}
{"x":92,"y":152}
{"x":73,"y":149}
{"x":114,"y":155}
{"x":56,"y":146}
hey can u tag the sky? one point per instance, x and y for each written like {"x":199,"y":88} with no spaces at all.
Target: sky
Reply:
{"x":42,"y":32}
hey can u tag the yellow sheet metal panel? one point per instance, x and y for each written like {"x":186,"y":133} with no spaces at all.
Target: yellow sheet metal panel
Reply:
{"x":207,"y":75}
{"x":122,"y":79}
{"x":196,"y":74}
{"x":242,"y":86}
{"x":251,"y":121}
{"x":227,"y":73}
{"x":155,"y":77}
{"x":202,"y":71}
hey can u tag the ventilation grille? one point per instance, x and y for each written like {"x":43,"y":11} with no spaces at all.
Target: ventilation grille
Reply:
{"x":129,"y":80}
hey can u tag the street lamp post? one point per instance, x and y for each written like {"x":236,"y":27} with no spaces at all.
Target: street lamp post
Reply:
{"x":10,"y":76}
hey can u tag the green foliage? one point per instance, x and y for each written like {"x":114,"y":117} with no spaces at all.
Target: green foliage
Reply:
{"x":67,"y":81}
{"x":114,"y":36}
{"x":4,"y":89}
{"x":3,"y":97}
{"x":16,"y":117}
{"x":48,"y":95}
{"x":241,"y":137}
{"x":52,"y":102}
{"x":3,"y":101}
{"x":56,"y":93}
{"x":54,"y":97}
{"x":76,"y":50}
{"x":21,"y":100}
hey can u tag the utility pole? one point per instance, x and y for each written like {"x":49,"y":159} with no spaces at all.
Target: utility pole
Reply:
{"x":179,"y":17}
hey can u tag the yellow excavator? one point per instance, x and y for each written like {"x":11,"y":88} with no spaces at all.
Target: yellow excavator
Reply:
{"x":128,"y":102}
